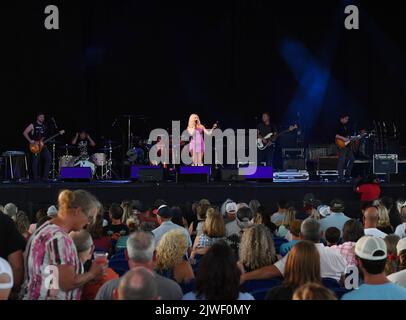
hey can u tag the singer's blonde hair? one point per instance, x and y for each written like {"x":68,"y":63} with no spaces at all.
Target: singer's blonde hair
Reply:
{"x":191,"y":123}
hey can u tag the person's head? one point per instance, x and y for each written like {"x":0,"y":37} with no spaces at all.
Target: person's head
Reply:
{"x":6,"y":279}
{"x":302,"y":265}
{"x":138,"y":284}
{"x":76,"y":208}
{"x":52,"y":211}
{"x":11,"y":210}
{"x":230,"y":209}
{"x":213,"y":226}
{"x":164,"y":213}
{"x":116,"y":212}
{"x":127,"y":209}
{"x":22,"y":222}
{"x":140,"y":249}
{"x":82,"y":134}
{"x":391,"y":242}
{"x":178,"y":217}
{"x":352,"y":231}
{"x":371,"y":217}
{"x":401,"y":253}
{"x":401,"y":208}
{"x":289,"y":216}
{"x":218,"y":277}
{"x":373,"y":178}
{"x":194,"y":120}
{"x":294,"y":229}
{"x":201,"y":209}
{"x":266,"y":117}
{"x":332,"y":236}
{"x":40,"y":117}
{"x":95,"y":228}
{"x":171,"y":249}
{"x":383,"y":216}
{"x":313,"y":291}
{"x":83,"y":243}
{"x":244,"y":217}
{"x":337,"y":205}
{"x":371,"y":254}
{"x":254,"y":205}
{"x":282,"y":204}
{"x":344,"y":118}
{"x":310,"y":230}
{"x":257,"y":248}
{"x":308,"y":200}
{"x":40,"y":214}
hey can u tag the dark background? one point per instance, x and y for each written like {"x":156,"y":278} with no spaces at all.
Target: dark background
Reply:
{"x":226,"y":60}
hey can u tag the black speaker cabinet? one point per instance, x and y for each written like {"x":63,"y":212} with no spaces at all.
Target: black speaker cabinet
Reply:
{"x":385,"y":163}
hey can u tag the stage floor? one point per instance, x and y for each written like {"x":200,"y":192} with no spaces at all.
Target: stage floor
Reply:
{"x":28,"y":196}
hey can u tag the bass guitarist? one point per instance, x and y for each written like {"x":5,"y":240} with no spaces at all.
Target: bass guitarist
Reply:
{"x":345,"y":154}
{"x":264,"y":129}
{"x":34,"y":133}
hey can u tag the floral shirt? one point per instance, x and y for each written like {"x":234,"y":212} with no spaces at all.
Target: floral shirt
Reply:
{"x":48,"y":247}
{"x":347,"y":250}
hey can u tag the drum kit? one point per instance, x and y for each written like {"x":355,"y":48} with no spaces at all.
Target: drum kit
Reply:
{"x":100,"y":162}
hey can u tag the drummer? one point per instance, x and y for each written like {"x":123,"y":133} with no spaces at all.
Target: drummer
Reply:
{"x":83,"y":141}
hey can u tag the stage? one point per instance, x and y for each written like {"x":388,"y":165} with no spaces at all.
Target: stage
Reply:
{"x":30,"y":196}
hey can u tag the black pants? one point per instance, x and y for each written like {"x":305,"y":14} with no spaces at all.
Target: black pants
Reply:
{"x":345,"y":162}
{"x":266,"y":156}
{"x":44,"y":156}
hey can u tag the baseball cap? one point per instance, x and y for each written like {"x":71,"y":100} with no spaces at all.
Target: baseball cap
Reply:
{"x":368,"y":246}
{"x":52,"y":211}
{"x":337,"y":205}
{"x":10,"y":209}
{"x":401,"y":245}
{"x":6,"y":269}
{"x":164,"y":211}
{"x":231,"y":206}
{"x":324,"y":210}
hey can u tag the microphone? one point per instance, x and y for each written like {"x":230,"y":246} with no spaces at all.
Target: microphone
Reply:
{"x":54,"y":122}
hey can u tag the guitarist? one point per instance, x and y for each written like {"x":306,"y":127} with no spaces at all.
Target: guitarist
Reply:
{"x":265,"y":128}
{"x":34,"y":133}
{"x":345,"y":155}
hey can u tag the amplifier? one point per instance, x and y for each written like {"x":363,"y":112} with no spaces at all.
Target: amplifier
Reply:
{"x":385,"y":163}
{"x":147,"y":173}
{"x":194,"y":174}
{"x":298,"y":164}
{"x":293,"y":153}
{"x":327,"y":163}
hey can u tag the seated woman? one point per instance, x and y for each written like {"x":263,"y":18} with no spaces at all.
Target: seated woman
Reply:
{"x":213,"y":231}
{"x":302,"y":266}
{"x":100,"y":240}
{"x":169,"y":257}
{"x":257,"y":248}
{"x":283,"y":230}
{"x":218,"y":277}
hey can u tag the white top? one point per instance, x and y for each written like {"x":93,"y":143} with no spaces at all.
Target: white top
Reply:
{"x":232,"y":228}
{"x":400,"y":230}
{"x":332,"y":263}
{"x":277,"y":218}
{"x":399,"y":278}
{"x":335,"y":219}
{"x":375,"y":233}
{"x":6,"y":269}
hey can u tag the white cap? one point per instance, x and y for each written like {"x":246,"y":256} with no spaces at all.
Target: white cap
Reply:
{"x":52,"y":211}
{"x":401,"y":245}
{"x":6,"y":269}
{"x":10,"y":209}
{"x":368,"y":245}
{"x":231,"y":206}
{"x":324,"y":210}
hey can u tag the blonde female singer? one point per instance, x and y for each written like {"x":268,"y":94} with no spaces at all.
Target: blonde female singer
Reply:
{"x":196,"y":144}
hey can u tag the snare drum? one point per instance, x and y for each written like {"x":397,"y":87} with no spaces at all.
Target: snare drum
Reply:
{"x":85,"y":163}
{"x":99,"y":159}
{"x":66,"y":161}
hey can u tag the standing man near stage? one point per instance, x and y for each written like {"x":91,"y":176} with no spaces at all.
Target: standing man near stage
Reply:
{"x":345,"y":155}
{"x":264,"y":129}
{"x":33,"y":133}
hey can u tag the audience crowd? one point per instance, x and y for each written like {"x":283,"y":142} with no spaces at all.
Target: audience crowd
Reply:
{"x":81,"y":249}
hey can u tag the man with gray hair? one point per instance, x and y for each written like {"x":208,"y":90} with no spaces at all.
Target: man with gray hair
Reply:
{"x":140,"y":248}
{"x":11,"y":210}
{"x":138,"y":284}
{"x":332,"y":263}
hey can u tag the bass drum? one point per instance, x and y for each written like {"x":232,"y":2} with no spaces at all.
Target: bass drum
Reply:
{"x":99,"y":159}
{"x":86,"y":163}
{"x":66,"y":161}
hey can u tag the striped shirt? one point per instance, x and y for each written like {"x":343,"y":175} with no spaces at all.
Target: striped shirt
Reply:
{"x":48,"y":247}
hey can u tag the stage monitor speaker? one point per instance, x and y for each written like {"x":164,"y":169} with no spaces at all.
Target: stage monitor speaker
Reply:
{"x":76,"y":173}
{"x":147,"y":173}
{"x":231,"y":174}
{"x":385,"y":163}
{"x":194,"y":174}
{"x":261,"y":173}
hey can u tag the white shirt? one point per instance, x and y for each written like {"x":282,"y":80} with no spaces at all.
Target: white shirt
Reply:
{"x":335,"y":219}
{"x":332,"y":263}
{"x":277,"y":218}
{"x":399,"y":278}
{"x":166,"y":227}
{"x":400,"y":230}
{"x":232,"y":228}
{"x":375,"y":233}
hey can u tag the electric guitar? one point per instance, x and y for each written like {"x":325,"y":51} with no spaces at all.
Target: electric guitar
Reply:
{"x":270,"y":138}
{"x":341,"y":144}
{"x":37,"y":146}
